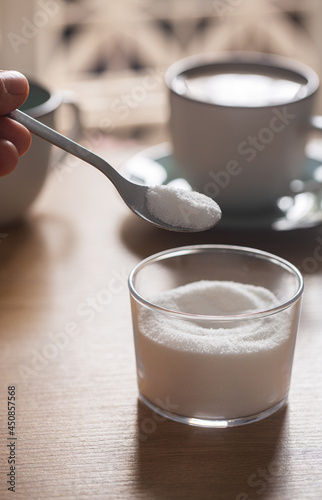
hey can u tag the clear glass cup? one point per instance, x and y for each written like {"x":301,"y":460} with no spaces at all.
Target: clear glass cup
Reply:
{"x":203,"y":367}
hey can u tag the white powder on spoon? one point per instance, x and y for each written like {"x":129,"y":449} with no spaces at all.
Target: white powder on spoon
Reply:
{"x":215,"y":369}
{"x":182,"y":208}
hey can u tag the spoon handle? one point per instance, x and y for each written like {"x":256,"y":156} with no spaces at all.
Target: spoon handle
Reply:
{"x":64,"y":143}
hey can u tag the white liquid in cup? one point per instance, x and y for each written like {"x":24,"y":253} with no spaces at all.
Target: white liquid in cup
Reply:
{"x":247,"y":90}
{"x":215,"y":370}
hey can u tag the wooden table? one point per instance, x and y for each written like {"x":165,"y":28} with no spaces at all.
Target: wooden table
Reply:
{"x":66,"y":346}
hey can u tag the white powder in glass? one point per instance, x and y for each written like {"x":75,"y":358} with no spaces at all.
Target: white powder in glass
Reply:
{"x":182,"y":208}
{"x":215,"y":369}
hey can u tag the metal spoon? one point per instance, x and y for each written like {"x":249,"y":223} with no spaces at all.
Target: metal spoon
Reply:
{"x":134,"y":195}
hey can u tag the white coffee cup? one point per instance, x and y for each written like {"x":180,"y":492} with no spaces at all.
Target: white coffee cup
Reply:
{"x":19,"y":189}
{"x":239,"y":124}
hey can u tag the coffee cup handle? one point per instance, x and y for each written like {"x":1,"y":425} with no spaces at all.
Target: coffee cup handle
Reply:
{"x":68,"y":99}
{"x":316,"y":123}
{"x":312,"y":185}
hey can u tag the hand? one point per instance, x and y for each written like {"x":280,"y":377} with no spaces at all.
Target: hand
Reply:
{"x":15,"y":139}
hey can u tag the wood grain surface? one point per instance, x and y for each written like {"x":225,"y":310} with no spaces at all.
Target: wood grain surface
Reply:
{"x":66,"y":345}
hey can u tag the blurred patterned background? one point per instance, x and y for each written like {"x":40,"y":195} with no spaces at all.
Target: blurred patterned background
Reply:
{"x":114,"y":54}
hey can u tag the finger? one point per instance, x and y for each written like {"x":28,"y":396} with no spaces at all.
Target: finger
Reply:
{"x":15,"y":133}
{"x":14,"y":89}
{"x":8,"y":157}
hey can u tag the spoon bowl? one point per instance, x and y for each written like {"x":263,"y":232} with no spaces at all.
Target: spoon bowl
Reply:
{"x":134,"y":195}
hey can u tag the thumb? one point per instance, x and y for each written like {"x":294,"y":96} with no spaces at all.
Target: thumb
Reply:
{"x":14,"y":90}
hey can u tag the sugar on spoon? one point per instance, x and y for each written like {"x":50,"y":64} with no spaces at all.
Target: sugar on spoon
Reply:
{"x":163,"y":206}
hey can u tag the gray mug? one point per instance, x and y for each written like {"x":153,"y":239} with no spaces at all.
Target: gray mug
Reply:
{"x":19,"y":189}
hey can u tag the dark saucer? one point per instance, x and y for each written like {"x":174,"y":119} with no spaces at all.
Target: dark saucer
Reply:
{"x":301,"y":209}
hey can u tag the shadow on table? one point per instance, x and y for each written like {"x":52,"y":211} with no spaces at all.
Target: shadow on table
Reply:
{"x":30,"y":252}
{"x":182,"y":462}
{"x":301,"y":247}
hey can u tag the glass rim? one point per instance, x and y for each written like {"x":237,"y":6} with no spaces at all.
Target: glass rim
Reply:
{"x":206,"y":248}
